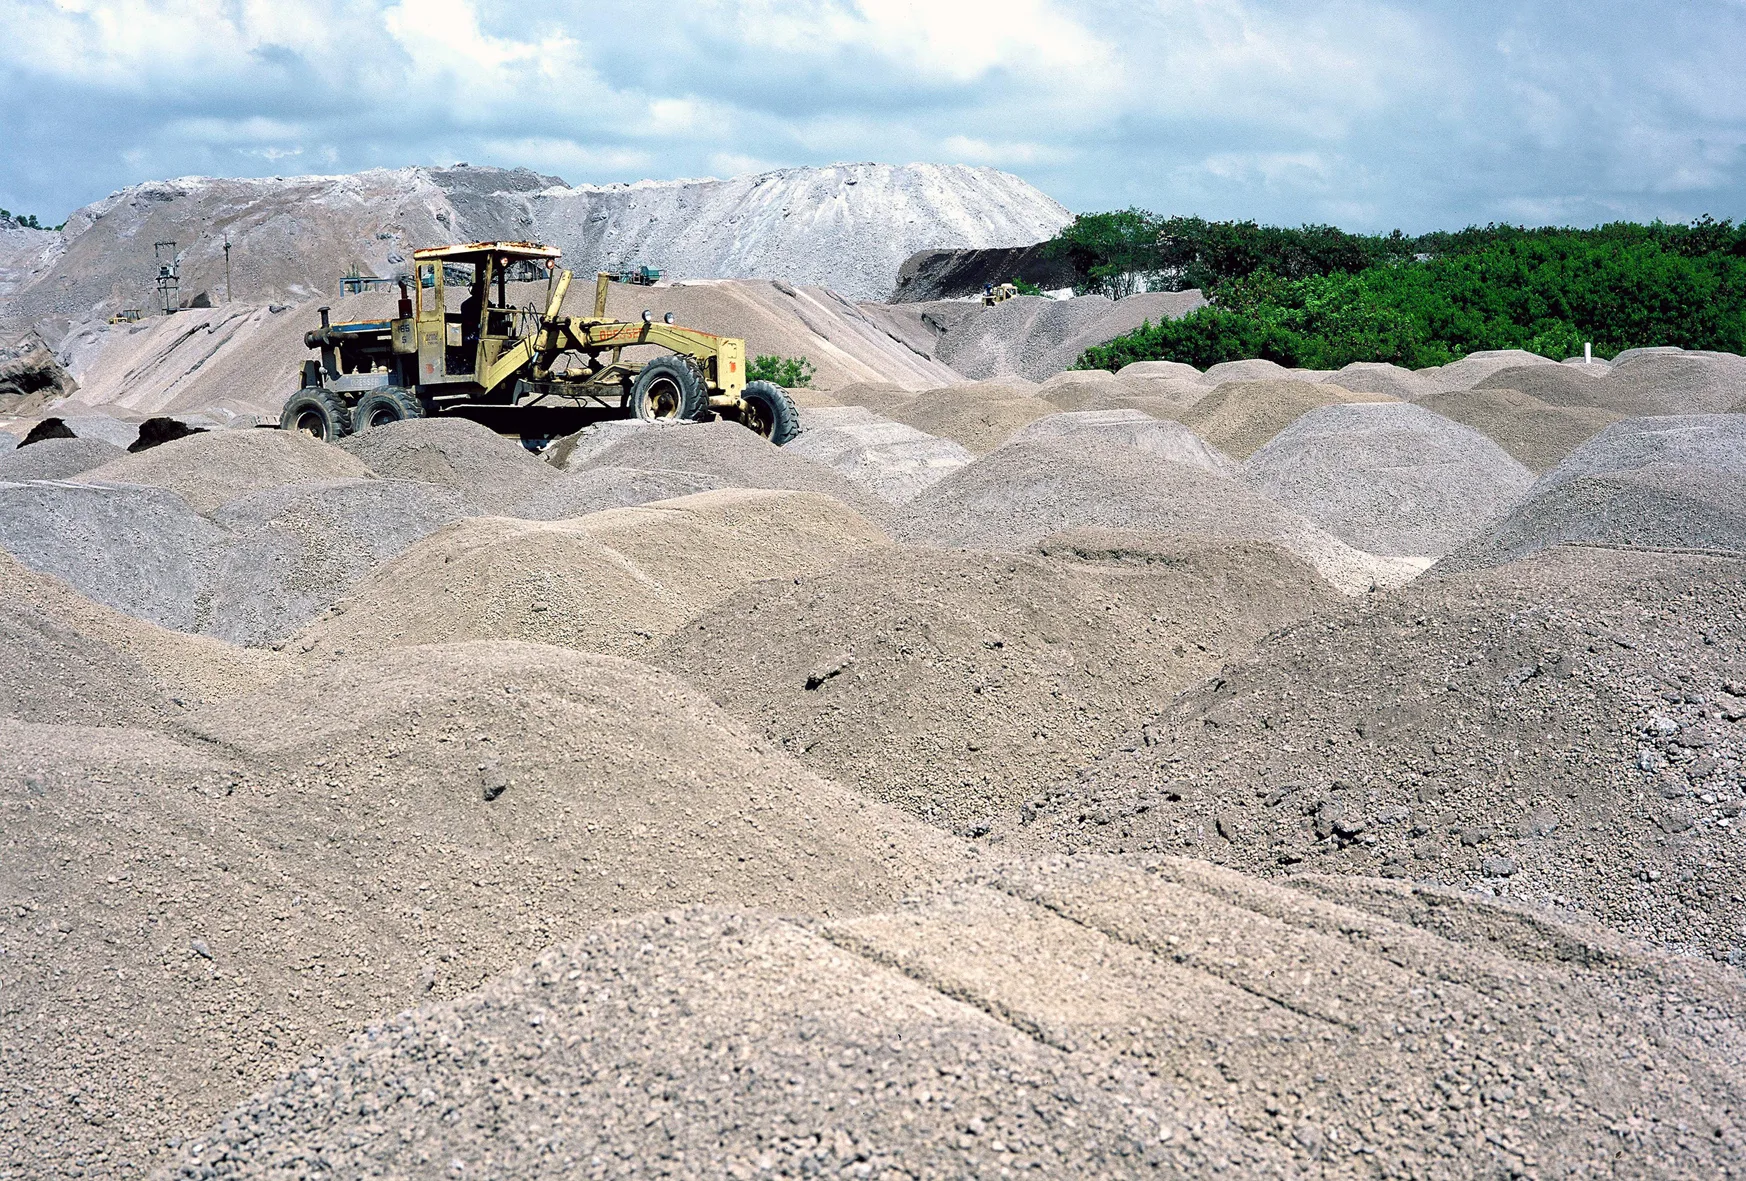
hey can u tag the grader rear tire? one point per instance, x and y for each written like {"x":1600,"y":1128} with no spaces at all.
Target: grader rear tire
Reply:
{"x":382,"y":407}
{"x":317,"y":413}
{"x":669,"y":390}
{"x":770,"y":412}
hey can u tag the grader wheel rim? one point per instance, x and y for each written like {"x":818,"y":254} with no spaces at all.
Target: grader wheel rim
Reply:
{"x":756,"y":420}
{"x":311,"y":422}
{"x":664,"y":398}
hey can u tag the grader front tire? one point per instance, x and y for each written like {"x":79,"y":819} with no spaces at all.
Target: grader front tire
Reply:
{"x":770,"y":412}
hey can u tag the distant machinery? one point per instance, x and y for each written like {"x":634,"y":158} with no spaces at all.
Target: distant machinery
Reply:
{"x":169,"y":276}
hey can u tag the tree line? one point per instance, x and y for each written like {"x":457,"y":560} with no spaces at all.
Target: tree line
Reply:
{"x":1319,"y":297}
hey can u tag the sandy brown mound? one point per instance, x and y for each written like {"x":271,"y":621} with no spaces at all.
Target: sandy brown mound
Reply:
{"x":102,"y":667}
{"x":612,"y":581}
{"x":981,"y":416}
{"x":1555,"y":385}
{"x":56,"y":459}
{"x":491,"y":471}
{"x":1474,"y":368}
{"x":891,"y":460}
{"x":1389,"y":478}
{"x":1556,"y":730}
{"x":1132,"y":428}
{"x":955,"y":683}
{"x":1674,"y":381}
{"x":1369,"y":377}
{"x":1256,"y":369}
{"x":1151,"y":370}
{"x":208,"y":469}
{"x":1240,"y":417}
{"x":1080,"y":1019}
{"x":877,"y":396}
{"x":211,"y":918}
{"x":1536,"y":434}
{"x":1026,"y":491}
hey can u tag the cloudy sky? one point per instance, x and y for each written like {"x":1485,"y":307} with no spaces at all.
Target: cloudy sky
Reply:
{"x":1364,"y":113}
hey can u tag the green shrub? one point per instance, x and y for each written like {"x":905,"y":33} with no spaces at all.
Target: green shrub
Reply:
{"x":788,"y":372}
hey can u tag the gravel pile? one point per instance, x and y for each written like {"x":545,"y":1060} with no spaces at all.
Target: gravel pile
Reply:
{"x":734,"y":455}
{"x":725,"y":1043}
{"x":139,"y":550}
{"x":1098,"y":389}
{"x":981,"y":416}
{"x":575,"y":494}
{"x":1024,"y":492}
{"x":1536,"y":435}
{"x":1368,"y":377}
{"x":120,"y":432}
{"x":208,"y":469}
{"x":1674,"y":381}
{"x":877,"y":396}
{"x":8,"y":441}
{"x":493,"y":472}
{"x":1566,"y":731}
{"x":371,"y":837}
{"x":56,"y":459}
{"x":614,"y":581}
{"x":1389,"y":478}
{"x":1240,"y":417}
{"x":1555,"y":385}
{"x":1258,"y":369}
{"x":888,"y":459}
{"x":1033,"y":337}
{"x":1673,"y":482}
{"x":293,"y":550}
{"x":1474,"y":368}
{"x":1162,"y":369}
{"x":957,"y":683}
{"x":1167,"y":440}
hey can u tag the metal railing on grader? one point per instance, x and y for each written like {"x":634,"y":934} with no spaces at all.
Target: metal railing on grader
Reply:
{"x":517,"y":370}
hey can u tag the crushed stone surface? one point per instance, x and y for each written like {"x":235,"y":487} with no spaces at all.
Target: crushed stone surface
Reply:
{"x":55,"y":459}
{"x":1166,"y":440}
{"x":491,"y":471}
{"x":578,"y":493}
{"x":1537,"y":435}
{"x":1559,"y":732}
{"x":1389,"y":478}
{"x":979,"y":415}
{"x":206,"y":470}
{"x":1240,"y":417}
{"x":1034,"y":337}
{"x":889,"y":459}
{"x":956,"y":683}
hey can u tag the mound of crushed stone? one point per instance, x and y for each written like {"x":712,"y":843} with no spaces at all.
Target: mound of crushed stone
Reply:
{"x":1035,"y":337}
{"x":891,"y":460}
{"x":577,"y":493}
{"x":1662,"y":506}
{"x":1166,"y":440}
{"x":1674,"y":381}
{"x":8,"y":441}
{"x":877,"y":396}
{"x":1389,"y":478}
{"x":1566,"y":731}
{"x":1474,"y":368}
{"x":208,"y":469}
{"x":1702,"y":442}
{"x":1161,"y":369}
{"x":71,"y":660}
{"x":137,"y":549}
{"x":1536,"y":435}
{"x":981,"y":416}
{"x":1098,"y":389}
{"x":56,"y":459}
{"x":1369,"y":377}
{"x":120,"y":432}
{"x":491,"y":471}
{"x":614,"y":581}
{"x":374,"y":837}
{"x":1256,"y":369}
{"x":729,"y":451}
{"x":1555,"y":385}
{"x":293,"y":550}
{"x":1076,"y":1017}
{"x":1026,"y":491}
{"x":1240,"y":417}
{"x":957,"y":683}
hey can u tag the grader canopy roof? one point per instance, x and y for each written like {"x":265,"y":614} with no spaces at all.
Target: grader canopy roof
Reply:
{"x":472,"y":250}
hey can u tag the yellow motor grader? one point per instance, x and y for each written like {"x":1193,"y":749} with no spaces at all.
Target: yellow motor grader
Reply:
{"x":520,"y":371}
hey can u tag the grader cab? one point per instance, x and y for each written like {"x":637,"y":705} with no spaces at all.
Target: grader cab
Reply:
{"x":459,"y":346}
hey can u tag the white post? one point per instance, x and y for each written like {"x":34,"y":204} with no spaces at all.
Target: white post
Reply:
{"x":1588,"y":352}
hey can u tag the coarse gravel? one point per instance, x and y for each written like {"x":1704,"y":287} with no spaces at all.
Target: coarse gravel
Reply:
{"x":491,"y":471}
{"x":1537,"y":435}
{"x":1035,"y":338}
{"x":578,"y":493}
{"x":55,"y":459}
{"x":1674,"y":381}
{"x":1707,"y":442}
{"x":1389,"y":478}
{"x":208,"y":469}
{"x":1167,"y":440}
{"x":1240,"y":417}
{"x":1098,"y":389}
{"x":1369,"y":377}
{"x":979,"y":415}
{"x":1475,"y":368}
{"x":889,"y":459}
{"x":956,"y":683}
{"x":1566,"y":731}
{"x":1026,"y":491}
